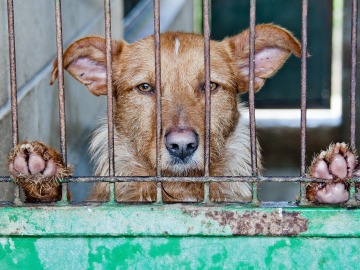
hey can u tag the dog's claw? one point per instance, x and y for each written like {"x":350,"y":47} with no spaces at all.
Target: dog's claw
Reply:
{"x":337,"y":164}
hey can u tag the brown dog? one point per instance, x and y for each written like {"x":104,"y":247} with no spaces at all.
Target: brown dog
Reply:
{"x":36,"y":166}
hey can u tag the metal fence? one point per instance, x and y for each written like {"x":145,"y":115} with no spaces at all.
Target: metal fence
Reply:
{"x":255,"y":179}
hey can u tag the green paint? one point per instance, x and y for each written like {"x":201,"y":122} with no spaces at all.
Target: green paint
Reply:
{"x":169,"y":248}
{"x":18,"y":253}
{"x":193,"y":253}
{"x":13,"y":218}
{"x":273,"y":249}
{"x":111,"y":258}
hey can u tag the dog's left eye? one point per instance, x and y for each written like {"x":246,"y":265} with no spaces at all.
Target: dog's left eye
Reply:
{"x":213,"y":87}
{"x":145,"y":87}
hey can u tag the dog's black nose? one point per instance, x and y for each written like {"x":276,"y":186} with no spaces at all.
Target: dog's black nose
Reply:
{"x":181,"y":142}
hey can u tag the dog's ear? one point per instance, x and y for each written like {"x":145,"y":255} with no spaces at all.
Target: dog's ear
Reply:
{"x":85,"y":60}
{"x":273,"y":45}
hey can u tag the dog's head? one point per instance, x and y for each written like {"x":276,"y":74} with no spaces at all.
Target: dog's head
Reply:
{"x":182,"y":89}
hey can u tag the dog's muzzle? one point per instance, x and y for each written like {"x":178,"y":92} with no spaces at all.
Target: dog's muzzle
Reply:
{"x":181,"y":143}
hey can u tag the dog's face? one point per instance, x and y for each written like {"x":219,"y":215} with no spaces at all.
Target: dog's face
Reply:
{"x":182,"y":90}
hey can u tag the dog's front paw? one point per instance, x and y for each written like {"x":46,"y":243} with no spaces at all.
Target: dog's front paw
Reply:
{"x":36,"y":167}
{"x":336,"y":165}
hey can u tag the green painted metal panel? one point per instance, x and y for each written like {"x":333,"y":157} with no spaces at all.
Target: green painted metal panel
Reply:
{"x":178,"y":220}
{"x":179,"y":237}
{"x":179,"y":253}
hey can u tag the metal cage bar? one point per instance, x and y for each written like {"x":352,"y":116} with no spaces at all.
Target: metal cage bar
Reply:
{"x":304,"y":36}
{"x":110,"y":105}
{"x":13,"y":86}
{"x":251,"y":87}
{"x":157,"y":50}
{"x":206,"y":20}
{"x":254,"y":166}
{"x":250,"y":179}
{"x":61,"y":93}
{"x":354,"y":24}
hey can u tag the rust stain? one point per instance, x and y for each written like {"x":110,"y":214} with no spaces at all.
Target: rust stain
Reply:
{"x":261,"y":223}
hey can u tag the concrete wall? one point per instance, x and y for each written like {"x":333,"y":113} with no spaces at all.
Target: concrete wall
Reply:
{"x":35,"y":51}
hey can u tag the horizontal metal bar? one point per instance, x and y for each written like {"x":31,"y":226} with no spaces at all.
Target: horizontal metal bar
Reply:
{"x":250,"y":179}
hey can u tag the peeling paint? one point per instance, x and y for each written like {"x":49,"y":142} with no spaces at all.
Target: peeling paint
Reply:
{"x":261,"y":223}
{"x":192,"y":213}
{"x":178,"y":220}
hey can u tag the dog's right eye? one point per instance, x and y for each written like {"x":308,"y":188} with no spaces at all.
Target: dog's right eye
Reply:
{"x":145,"y":87}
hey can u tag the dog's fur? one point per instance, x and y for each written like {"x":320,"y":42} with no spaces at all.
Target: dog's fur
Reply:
{"x":182,"y":90}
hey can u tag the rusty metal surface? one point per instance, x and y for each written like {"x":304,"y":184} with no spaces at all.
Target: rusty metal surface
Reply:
{"x":354,"y":24}
{"x":258,"y":223}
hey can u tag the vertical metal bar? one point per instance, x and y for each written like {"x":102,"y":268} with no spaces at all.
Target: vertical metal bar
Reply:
{"x":12,"y":58}
{"x":59,"y":47}
{"x":14,"y":110}
{"x":158,"y":95}
{"x":251,"y":87}
{"x":354,"y":23}
{"x":110,"y":113}
{"x":304,"y":23}
{"x":207,"y":97}
{"x":303,"y":84}
{"x":255,"y":199}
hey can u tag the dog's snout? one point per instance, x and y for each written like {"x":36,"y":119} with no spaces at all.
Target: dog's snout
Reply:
{"x":181,"y":142}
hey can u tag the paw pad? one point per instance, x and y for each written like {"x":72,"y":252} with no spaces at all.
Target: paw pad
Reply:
{"x":336,"y":164}
{"x":29,"y":159}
